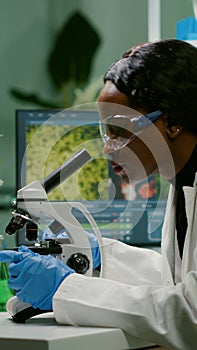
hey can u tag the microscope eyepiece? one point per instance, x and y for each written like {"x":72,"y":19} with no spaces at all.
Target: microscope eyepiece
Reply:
{"x":66,"y":170}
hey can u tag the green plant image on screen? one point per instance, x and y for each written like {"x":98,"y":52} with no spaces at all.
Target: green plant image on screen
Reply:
{"x":49,"y":146}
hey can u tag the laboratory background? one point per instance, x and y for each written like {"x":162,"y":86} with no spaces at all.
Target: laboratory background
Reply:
{"x":28,"y":33}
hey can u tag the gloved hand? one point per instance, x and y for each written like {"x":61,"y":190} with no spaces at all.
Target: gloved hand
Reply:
{"x":34,"y":277}
{"x":47,"y":234}
{"x":95,"y":249}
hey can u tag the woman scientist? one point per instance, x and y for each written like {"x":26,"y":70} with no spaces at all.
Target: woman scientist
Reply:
{"x":149,"y":111}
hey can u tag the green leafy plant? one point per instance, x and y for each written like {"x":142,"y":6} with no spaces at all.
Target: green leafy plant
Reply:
{"x":69,"y":65}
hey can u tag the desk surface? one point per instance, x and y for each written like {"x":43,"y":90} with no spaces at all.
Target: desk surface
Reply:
{"x":43,"y":333}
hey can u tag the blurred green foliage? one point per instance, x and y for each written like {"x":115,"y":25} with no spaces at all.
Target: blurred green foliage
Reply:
{"x":69,"y":65}
{"x":50,"y":146}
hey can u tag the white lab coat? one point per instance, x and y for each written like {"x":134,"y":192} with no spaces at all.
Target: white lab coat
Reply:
{"x":148,"y":295}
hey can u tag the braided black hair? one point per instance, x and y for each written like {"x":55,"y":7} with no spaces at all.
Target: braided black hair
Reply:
{"x":160,"y":75}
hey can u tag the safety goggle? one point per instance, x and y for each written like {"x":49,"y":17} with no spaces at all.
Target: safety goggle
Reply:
{"x":119,"y":130}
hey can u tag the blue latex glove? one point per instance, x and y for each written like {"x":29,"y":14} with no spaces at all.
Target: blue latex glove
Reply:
{"x":47,"y":234}
{"x":95,"y":249}
{"x":34,"y":277}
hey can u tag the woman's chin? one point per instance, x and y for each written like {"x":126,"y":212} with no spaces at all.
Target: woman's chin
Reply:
{"x":124,"y":177}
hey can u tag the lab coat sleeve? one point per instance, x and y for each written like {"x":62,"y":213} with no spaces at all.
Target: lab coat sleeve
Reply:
{"x":130,"y":264}
{"x":131,"y":297}
{"x":158,"y":314}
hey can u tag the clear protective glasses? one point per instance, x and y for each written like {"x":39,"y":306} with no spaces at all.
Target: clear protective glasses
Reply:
{"x":119,"y":130}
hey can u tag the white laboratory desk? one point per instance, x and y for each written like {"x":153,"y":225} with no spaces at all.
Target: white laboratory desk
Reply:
{"x":43,"y":333}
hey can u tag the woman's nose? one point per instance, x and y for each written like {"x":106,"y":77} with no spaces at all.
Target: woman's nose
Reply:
{"x":109,"y":148}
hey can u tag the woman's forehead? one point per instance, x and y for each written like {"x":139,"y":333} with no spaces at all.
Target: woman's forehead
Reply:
{"x":112,"y":102}
{"x":110,"y":93}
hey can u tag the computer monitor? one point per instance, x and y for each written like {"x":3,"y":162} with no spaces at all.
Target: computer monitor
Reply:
{"x":46,"y":138}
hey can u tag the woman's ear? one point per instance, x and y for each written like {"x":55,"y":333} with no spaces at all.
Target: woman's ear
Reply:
{"x":173,"y":131}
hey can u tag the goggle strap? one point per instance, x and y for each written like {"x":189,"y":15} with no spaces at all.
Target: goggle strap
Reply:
{"x":154,"y":115}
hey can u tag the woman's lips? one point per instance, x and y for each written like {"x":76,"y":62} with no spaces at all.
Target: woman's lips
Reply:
{"x":118,"y":169}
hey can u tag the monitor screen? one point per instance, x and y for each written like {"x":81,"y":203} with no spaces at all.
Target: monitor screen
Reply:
{"x":47,"y":138}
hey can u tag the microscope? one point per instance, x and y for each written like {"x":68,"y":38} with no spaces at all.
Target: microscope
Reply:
{"x":33,"y":209}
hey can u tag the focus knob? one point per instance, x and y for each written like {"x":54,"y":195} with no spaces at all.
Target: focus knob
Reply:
{"x":78,"y":262}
